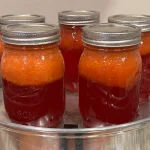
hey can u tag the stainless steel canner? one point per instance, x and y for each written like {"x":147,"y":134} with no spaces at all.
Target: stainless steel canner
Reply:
{"x":71,"y":135}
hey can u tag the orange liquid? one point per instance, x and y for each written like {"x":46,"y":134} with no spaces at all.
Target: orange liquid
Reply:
{"x":109,"y":83}
{"x":145,"y":80}
{"x":1,"y":52}
{"x":1,"y":47}
{"x":34,"y":88}
{"x":71,"y":47}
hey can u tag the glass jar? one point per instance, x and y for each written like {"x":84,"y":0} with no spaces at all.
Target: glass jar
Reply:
{"x":142,"y":21}
{"x":33,"y":74}
{"x":71,"y":23}
{"x":13,"y":19}
{"x":109,"y":74}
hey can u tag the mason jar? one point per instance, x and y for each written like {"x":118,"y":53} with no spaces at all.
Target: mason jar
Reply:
{"x":71,"y":46}
{"x":109,"y":74}
{"x":13,"y":19}
{"x":142,"y":21}
{"x":33,"y":74}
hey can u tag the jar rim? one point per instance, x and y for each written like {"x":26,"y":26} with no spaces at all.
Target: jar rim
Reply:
{"x":141,"y":21}
{"x":22,"y":18}
{"x":78,"y":17}
{"x":111,"y":35}
{"x":30,"y":34}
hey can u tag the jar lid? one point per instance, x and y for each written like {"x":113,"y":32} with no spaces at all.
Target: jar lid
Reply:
{"x":78,"y":17}
{"x":30,"y":34}
{"x":142,"y":21}
{"x":26,"y":18}
{"x":112,"y":35}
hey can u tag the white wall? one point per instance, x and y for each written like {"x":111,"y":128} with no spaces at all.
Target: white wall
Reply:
{"x":49,"y":8}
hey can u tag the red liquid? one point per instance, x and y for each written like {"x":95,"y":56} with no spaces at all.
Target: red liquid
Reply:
{"x":41,"y":105}
{"x":112,"y":105}
{"x":71,"y":59}
{"x":0,"y":72}
{"x":71,"y":46}
{"x":145,"y":80}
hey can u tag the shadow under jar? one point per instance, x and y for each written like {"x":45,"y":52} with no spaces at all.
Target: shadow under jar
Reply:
{"x":142,"y":21}
{"x":33,"y":74}
{"x":71,"y":45}
{"x":109,"y":74}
